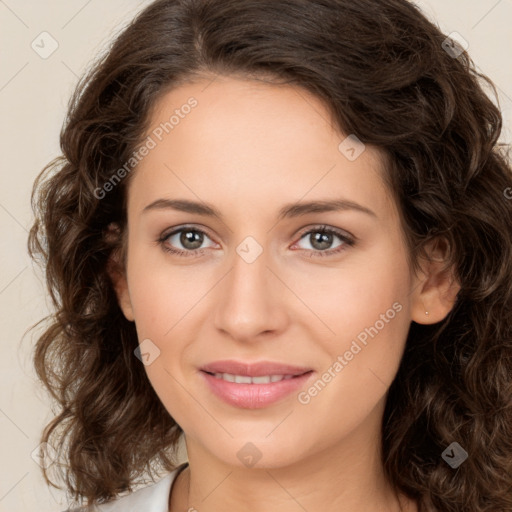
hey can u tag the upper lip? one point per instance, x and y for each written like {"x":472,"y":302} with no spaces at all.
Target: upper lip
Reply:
{"x":258,"y":369}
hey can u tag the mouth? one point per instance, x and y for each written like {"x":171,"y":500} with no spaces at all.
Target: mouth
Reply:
{"x":245,"y":379}
{"x":256,"y":369}
{"x":254,"y":386}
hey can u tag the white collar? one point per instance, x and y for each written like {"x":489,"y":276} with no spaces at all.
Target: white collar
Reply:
{"x":152,"y":498}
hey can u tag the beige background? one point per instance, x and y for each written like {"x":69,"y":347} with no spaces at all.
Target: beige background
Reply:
{"x":33,"y":97}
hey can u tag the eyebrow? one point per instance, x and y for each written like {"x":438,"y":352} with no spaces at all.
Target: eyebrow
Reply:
{"x":287,"y":211}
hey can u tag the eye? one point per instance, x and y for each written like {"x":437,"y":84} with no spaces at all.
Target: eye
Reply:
{"x":321,"y":238}
{"x":191,"y":239}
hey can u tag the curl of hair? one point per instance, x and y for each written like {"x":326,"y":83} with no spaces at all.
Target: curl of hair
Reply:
{"x":381,"y":69}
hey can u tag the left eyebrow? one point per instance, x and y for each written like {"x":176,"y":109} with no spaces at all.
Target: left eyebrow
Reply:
{"x":288,"y":211}
{"x":328,"y":205}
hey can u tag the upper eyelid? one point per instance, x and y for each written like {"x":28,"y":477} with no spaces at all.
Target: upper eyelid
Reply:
{"x":327,"y":227}
{"x":172,"y":231}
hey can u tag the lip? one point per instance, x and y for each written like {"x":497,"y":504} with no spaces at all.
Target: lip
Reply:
{"x":257,"y":369}
{"x":254,"y":396}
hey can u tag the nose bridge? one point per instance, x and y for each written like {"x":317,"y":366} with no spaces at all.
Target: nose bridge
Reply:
{"x":248,"y":301}
{"x":250,"y":272}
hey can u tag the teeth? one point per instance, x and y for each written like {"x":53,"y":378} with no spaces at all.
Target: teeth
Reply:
{"x":264,"y":379}
{"x":244,"y":379}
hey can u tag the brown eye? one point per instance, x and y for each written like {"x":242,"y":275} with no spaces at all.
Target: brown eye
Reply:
{"x":190,"y":239}
{"x":321,"y":241}
{"x":185,"y":241}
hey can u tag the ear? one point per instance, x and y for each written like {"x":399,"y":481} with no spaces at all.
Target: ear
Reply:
{"x":117,"y":272}
{"x":435,"y":288}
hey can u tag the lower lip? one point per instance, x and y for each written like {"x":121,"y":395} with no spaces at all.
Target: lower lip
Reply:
{"x":254,"y":396}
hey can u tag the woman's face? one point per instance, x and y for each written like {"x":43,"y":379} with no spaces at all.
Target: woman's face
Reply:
{"x":260,"y":283}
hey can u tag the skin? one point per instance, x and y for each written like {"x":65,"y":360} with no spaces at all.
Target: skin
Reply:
{"x":249,"y":148}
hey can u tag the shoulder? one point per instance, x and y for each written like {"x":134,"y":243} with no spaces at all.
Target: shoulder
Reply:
{"x":152,"y":498}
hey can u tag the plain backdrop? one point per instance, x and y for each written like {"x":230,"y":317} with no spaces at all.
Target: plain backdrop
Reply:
{"x":34,"y":92}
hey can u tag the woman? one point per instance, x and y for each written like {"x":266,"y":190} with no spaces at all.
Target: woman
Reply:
{"x":281,"y":229}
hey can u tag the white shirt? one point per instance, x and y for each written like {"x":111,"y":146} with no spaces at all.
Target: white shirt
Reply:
{"x":152,"y":498}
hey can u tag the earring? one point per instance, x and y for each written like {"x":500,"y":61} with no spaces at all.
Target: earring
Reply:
{"x":426,"y":313}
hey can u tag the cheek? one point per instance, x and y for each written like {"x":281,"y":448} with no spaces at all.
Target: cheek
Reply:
{"x":366,"y":310}
{"x":166,"y":302}
{"x":367,"y":292}
{"x":160,"y":305}
{"x":160,"y":295}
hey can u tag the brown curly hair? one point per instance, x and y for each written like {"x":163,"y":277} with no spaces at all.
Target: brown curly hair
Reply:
{"x":382,"y":69}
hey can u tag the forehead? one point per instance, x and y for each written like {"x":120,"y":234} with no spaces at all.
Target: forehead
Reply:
{"x":237,"y":138}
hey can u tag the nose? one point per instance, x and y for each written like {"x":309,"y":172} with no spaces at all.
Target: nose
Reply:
{"x":249,"y":301}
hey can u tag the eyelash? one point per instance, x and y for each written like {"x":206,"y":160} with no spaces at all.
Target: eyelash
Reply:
{"x":347,"y":241}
